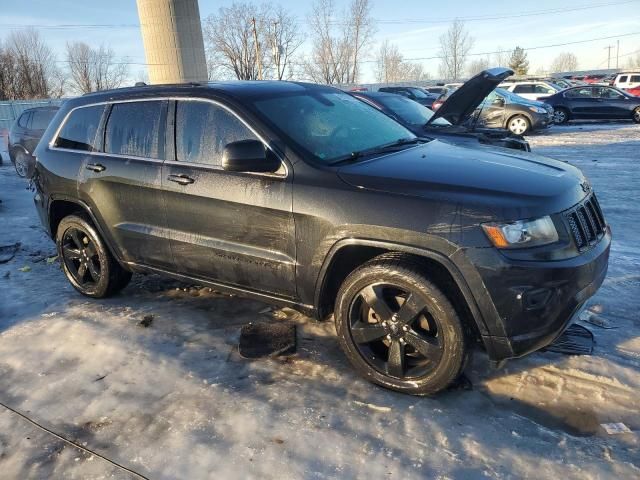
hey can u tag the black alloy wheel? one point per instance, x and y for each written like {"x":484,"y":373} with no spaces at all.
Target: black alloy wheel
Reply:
{"x":398,"y":329}
{"x":85,"y":260}
{"x":81,"y":258}
{"x":394,"y":331}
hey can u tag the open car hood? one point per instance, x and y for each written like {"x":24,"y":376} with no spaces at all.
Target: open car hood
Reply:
{"x":464,"y":101}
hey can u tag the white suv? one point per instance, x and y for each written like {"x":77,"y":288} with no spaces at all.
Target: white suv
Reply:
{"x":531,"y":90}
{"x":626,"y":80}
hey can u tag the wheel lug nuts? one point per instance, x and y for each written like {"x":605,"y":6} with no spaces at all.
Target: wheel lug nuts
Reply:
{"x":384,"y":324}
{"x":402,"y":341}
{"x":405,"y":329}
{"x":388,"y":337}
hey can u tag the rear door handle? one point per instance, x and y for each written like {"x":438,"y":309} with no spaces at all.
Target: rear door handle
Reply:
{"x":181,"y":179}
{"x":96,"y":167}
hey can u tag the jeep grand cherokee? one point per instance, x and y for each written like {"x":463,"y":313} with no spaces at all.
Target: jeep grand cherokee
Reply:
{"x":302,"y":195}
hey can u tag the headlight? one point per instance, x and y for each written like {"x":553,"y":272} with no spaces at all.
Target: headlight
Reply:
{"x":537,"y":109}
{"x":521,"y":234}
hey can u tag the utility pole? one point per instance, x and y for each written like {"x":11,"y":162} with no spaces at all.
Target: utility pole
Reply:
{"x":608,"y":48}
{"x":617,"y":52}
{"x":255,"y":39}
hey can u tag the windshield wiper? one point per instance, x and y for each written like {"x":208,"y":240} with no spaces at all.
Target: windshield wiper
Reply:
{"x":388,"y":147}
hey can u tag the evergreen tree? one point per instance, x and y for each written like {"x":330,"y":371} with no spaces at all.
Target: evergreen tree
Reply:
{"x":519,"y":62}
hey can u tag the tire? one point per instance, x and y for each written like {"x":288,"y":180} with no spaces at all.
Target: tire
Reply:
{"x":79,"y":244}
{"x":560,"y":116}
{"x":22,"y":163}
{"x":636,"y":115}
{"x":392,"y":345}
{"x":519,"y":125}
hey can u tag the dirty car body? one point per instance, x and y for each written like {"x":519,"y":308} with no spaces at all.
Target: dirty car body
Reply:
{"x":188,"y":198}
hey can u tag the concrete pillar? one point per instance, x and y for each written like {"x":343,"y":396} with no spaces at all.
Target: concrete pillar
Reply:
{"x":172,"y":36}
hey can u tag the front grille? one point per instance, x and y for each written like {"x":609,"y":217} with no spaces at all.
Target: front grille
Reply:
{"x":586,"y":222}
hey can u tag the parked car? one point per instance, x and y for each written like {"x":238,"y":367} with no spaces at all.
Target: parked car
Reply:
{"x":25,"y":134}
{"x":627,"y":80}
{"x":594,"y":103}
{"x":534,"y":90}
{"x":414,"y":93}
{"x":595,"y":78}
{"x":634,"y":91}
{"x":302,"y":195}
{"x":561,"y":82}
{"x":436,"y":90}
{"x":455,"y":120}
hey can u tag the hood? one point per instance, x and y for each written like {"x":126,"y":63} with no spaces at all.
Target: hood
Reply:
{"x":463,"y":102}
{"x":520,"y":184}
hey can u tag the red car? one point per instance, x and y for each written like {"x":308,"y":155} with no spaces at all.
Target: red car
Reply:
{"x":634,"y":91}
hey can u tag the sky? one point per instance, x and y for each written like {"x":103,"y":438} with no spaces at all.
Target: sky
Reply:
{"x":414,"y":26}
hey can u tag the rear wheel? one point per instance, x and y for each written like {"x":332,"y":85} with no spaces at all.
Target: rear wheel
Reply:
{"x":22,"y":164}
{"x":519,"y":125}
{"x":636,"y":115}
{"x":398,"y":329}
{"x":560,"y":116}
{"x":86,"y":262}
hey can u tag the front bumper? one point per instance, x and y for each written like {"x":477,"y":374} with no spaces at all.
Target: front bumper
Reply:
{"x":541,"y":121}
{"x":534,"y":302}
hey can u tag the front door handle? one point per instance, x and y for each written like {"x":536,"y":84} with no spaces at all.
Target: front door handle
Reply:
{"x":96,"y":167}
{"x":181,"y":179}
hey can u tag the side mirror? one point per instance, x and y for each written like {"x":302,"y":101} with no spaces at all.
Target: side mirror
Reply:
{"x":499,"y":102}
{"x":249,"y":156}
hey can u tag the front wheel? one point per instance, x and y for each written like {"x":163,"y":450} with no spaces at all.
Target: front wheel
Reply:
{"x":636,"y":115}
{"x":519,"y":125}
{"x":398,"y":329}
{"x":86,"y":262}
{"x":560,"y":116}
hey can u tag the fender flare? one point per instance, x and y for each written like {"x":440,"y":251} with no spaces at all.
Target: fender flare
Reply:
{"x":443,"y":259}
{"x":87,"y":209}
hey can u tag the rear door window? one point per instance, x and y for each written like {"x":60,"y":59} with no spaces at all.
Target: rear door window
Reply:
{"x":136,"y":129}
{"x":40,"y":119}
{"x":203,"y":129}
{"x":635,"y":78}
{"x":80,"y":128}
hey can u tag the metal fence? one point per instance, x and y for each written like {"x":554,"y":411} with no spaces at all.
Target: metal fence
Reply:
{"x":10,"y":110}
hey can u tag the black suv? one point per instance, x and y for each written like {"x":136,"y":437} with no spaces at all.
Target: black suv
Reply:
{"x":24,"y":136}
{"x":414,"y":93}
{"x":302,"y":195}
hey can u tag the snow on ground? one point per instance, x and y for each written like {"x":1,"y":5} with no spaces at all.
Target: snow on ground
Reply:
{"x":175,"y":400}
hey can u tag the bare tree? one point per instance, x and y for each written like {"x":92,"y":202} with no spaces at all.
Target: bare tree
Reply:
{"x":93,"y":69}
{"x":454,"y":49}
{"x":249,"y":41}
{"x":501,"y":57}
{"x":391,"y":66}
{"x":478,"y":65}
{"x":338,"y":47}
{"x":8,"y":75}
{"x":360,"y":32}
{"x":284,"y":37}
{"x":231,"y":40}
{"x":35,"y":72}
{"x":565,"y":62}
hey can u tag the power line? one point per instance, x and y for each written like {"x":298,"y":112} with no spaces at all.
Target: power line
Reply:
{"x":400,"y":21}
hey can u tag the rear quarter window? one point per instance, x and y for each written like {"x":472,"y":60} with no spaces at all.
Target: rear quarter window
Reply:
{"x":80,"y":128}
{"x":136,"y":129}
{"x":635,"y":78}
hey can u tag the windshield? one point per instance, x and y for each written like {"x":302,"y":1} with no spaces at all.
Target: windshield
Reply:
{"x":329,"y":125}
{"x":409,"y":111}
